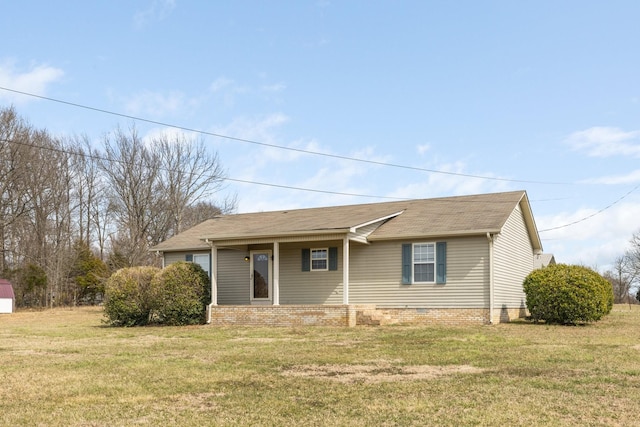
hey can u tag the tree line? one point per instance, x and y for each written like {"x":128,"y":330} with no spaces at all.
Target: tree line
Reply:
{"x":624,"y":273}
{"x":71,"y":212}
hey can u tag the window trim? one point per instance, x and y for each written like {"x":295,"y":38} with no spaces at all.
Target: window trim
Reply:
{"x":326,"y":259}
{"x":414,"y":263}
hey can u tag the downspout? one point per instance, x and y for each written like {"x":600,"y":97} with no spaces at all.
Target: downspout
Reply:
{"x":491,"y":284}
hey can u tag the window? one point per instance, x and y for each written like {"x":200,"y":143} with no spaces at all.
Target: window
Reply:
{"x":424,"y":263}
{"x":319,"y":259}
{"x":424,"y":260}
{"x":202,"y":260}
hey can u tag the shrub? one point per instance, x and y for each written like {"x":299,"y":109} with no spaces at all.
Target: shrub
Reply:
{"x":184,"y":293}
{"x":567,"y":294}
{"x":130,"y":297}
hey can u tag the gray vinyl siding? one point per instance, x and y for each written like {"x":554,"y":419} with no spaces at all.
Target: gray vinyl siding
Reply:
{"x":233,"y":277}
{"x":376,"y":276}
{"x":308,"y":287}
{"x":513,"y":261}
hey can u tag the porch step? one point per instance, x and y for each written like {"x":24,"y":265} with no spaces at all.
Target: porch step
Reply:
{"x":373,"y":318}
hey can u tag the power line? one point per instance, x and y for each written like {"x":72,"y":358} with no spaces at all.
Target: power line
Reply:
{"x":593,"y":214}
{"x":242,"y":181}
{"x":280,"y":147}
{"x":288,"y":187}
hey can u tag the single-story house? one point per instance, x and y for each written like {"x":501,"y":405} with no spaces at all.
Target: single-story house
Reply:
{"x":442,"y":260}
{"x":7,"y":297}
{"x":543,"y":260}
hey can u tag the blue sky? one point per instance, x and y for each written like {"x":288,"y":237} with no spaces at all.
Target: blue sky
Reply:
{"x":472,"y":96}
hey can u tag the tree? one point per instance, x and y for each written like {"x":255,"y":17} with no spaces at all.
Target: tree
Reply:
{"x":189,"y":174}
{"x":622,"y":276}
{"x":131,"y":171}
{"x":89,"y":274}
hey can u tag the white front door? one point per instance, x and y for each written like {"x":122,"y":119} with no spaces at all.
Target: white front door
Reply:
{"x":261,"y":277}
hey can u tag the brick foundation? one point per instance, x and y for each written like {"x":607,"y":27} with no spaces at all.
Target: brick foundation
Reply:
{"x":352,"y":315}
{"x":284,"y":315}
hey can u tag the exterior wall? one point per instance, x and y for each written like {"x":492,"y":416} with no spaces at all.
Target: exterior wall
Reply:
{"x":308,"y":287}
{"x":376,"y":276}
{"x":513,"y":261}
{"x":233,"y":280}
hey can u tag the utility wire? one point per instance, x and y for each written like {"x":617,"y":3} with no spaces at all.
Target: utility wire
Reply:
{"x":280,"y":147}
{"x":288,"y":187}
{"x":242,"y":181}
{"x":593,"y":214}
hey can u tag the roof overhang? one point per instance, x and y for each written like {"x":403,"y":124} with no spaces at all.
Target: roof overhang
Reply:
{"x":466,"y":233}
{"x":530,"y":222}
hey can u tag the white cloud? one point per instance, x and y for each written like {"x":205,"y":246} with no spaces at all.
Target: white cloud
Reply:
{"x":423,"y":148}
{"x":258,"y":129}
{"x":220,"y":83}
{"x":277,"y":87}
{"x":35,"y":80}
{"x":589,"y":237}
{"x":157,"y":11}
{"x":630,"y":178}
{"x":157,"y":104}
{"x":450,"y":182}
{"x":606,"y":142}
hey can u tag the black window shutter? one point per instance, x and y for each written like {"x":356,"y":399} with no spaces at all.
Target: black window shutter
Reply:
{"x":333,"y":259}
{"x":406,"y":263}
{"x":188,"y":257}
{"x":306,"y":259}
{"x":441,"y":260}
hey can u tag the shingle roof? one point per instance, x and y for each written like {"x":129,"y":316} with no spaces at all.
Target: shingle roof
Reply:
{"x":446,"y":216}
{"x":6,"y":289}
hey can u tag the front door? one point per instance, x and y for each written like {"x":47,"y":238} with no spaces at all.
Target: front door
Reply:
{"x":261,"y":276}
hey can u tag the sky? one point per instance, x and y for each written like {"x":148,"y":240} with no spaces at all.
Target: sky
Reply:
{"x":431,"y":98}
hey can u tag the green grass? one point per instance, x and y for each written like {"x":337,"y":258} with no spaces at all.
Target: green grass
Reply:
{"x":65,"y":368}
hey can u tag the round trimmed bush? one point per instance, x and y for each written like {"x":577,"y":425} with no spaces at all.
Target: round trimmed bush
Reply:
{"x":130,"y":297}
{"x":184,"y":293}
{"x":567,"y":294}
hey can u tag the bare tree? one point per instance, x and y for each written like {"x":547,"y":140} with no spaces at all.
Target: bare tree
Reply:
{"x":189,"y":174}
{"x":131,"y":171}
{"x":621,"y":277}
{"x":14,"y":202}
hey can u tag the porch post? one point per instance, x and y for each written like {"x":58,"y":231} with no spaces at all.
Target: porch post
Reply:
{"x":276,"y":273}
{"x":345,"y":270}
{"x":214,"y":275}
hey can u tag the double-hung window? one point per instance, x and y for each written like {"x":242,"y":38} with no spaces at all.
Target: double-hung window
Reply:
{"x":424,"y":262}
{"x":319,"y":259}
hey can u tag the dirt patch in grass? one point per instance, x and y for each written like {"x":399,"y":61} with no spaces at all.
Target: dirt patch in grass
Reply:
{"x":378,"y":372}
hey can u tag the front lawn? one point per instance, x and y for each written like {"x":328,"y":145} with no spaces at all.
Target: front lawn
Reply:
{"x":63,"y":367}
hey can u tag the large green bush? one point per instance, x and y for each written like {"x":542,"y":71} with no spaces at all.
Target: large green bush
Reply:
{"x":130,"y":296}
{"x":184,"y":293}
{"x":567,"y":294}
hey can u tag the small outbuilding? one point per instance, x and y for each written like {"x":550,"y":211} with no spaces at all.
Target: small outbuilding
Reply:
{"x":7,"y":297}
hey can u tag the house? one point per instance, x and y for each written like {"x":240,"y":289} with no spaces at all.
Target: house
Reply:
{"x":456,"y":260}
{"x":7,"y":297}
{"x":543,"y":260}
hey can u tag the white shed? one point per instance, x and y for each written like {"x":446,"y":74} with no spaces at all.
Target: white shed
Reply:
{"x":7,"y":297}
